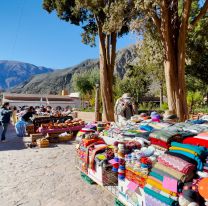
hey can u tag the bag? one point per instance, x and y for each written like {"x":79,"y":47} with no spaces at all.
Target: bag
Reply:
{"x":20,"y":128}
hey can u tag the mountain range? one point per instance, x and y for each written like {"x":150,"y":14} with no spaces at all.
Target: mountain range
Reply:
{"x":54,"y":82}
{"x":13,"y":73}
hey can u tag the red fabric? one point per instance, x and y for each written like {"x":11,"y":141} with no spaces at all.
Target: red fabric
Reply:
{"x":92,"y":158}
{"x":196,"y":141}
{"x":87,"y":142}
{"x":145,"y":160}
{"x":159,"y":142}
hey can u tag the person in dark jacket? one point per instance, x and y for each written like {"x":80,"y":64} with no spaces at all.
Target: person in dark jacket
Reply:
{"x":5,"y":115}
{"x":27,"y":116}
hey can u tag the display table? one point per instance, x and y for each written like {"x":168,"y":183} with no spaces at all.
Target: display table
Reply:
{"x":61,"y":130}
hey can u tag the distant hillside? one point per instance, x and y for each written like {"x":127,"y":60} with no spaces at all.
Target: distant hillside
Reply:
{"x":54,"y":82}
{"x":12,"y":73}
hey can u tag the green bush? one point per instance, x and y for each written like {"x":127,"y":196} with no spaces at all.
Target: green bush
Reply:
{"x":164,"y":106}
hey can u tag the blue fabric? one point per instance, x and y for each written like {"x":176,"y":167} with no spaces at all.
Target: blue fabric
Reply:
{"x":156,"y":175}
{"x":146,"y":127}
{"x":192,"y":156}
{"x":145,"y":166}
{"x":198,"y":121}
{"x":20,"y":128}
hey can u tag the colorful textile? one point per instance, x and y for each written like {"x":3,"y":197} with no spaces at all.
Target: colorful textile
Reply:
{"x":159,"y":197}
{"x":183,"y":149}
{"x":196,"y":141}
{"x":159,"y":186}
{"x":175,"y":198}
{"x":174,"y":173}
{"x":182,"y":157}
{"x":176,"y":163}
{"x":159,"y":142}
{"x":92,"y":157}
{"x":151,"y":201}
{"x":166,"y":136}
{"x":196,"y":158}
{"x":146,"y":128}
{"x":157,"y":176}
{"x":198,"y":149}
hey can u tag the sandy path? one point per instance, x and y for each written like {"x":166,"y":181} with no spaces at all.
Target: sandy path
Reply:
{"x":44,"y":177}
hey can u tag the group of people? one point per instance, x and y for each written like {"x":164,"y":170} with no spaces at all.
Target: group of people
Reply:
{"x":13,"y":114}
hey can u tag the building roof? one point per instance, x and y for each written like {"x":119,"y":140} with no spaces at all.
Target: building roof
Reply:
{"x":75,"y":95}
{"x":36,"y":97}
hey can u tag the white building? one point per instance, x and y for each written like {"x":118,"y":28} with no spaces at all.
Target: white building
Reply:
{"x":40,"y":99}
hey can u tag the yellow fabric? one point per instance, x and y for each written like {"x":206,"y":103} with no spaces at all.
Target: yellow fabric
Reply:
{"x":159,"y":186}
{"x":14,"y":117}
{"x":140,"y":174}
{"x":184,"y":149}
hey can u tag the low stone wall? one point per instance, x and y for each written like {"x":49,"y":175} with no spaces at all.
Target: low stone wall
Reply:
{"x":86,"y":116}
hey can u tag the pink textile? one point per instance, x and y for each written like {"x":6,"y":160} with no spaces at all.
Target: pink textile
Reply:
{"x":170,"y":184}
{"x":176,"y":163}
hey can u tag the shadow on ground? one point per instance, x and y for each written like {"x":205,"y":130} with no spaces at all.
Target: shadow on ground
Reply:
{"x":13,"y":142}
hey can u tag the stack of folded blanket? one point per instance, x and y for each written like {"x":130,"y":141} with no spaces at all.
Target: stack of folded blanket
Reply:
{"x":200,"y":140}
{"x":155,"y":191}
{"x":196,"y":154}
{"x":137,"y":168}
{"x":172,"y":169}
{"x":163,"y":138}
{"x":197,"y":128}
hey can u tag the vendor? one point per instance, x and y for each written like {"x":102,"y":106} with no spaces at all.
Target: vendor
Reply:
{"x":124,"y":108}
{"x":27,"y":116}
{"x":49,"y":109}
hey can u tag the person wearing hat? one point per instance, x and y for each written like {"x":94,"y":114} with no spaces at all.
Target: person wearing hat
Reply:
{"x":124,"y":108}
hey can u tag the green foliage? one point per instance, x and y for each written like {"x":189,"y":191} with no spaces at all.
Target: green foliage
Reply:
{"x":82,"y":84}
{"x":136,"y":82}
{"x":195,"y":100}
{"x":197,"y":52}
{"x":203,"y":109}
{"x":164,"y":106}
{"x":110,"y":16}
{"x":85,"y":82}
{"x":148,"y":106}
{"x":117,"y":91}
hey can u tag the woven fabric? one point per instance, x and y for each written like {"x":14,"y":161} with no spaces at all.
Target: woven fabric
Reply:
{"x":166,"y":136}
{"x":151,"y":201}
{"x":176,"y":163}
{"x":158,"y":185}
{"x":174,"y":173}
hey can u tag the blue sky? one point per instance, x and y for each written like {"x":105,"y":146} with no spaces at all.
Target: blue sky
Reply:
{"x":30,"y":34}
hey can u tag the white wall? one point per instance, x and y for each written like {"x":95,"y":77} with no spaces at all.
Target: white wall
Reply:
{"x":63,"y":104}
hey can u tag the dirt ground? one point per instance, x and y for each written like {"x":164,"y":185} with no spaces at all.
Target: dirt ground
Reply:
{"x":44,"y":177}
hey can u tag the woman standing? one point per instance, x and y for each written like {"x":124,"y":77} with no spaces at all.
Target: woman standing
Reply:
{"x":5,"y":115}
{"x":14,"y":115}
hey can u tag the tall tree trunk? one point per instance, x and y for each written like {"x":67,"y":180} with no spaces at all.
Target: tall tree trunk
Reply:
{"x":107,"y":63}
{"x":174,"y":38}
{"x":207,"y":99}
{"x":161,"y":94}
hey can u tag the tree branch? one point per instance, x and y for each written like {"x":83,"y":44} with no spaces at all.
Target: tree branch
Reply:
{"x":157,"y":21}
{"x":186,"y":14}
{"x":203,"y":11}
{"x":113,"y":50}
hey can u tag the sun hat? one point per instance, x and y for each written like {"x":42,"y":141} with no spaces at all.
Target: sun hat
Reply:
{"x":126,"y":96}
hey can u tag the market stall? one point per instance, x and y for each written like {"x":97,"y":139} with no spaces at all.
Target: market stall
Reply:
{"x":149,"y":162}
